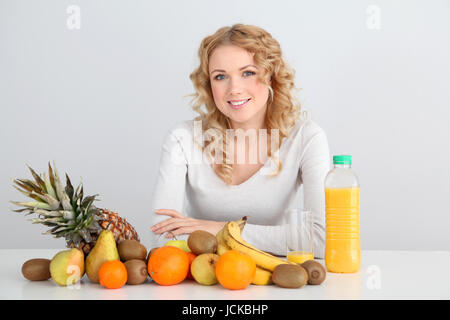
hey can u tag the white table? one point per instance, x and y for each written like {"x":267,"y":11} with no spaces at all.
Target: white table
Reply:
{"x":383,"y":275}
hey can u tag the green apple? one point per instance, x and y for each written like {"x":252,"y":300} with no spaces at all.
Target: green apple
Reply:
{"x":203,"y":268}
{"x":182,"y":244}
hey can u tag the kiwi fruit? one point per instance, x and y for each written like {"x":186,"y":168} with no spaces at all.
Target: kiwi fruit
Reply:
{"x":289,"y":276}
{"x":136,"y":271}
{"x":36,"y":269}
{"x":201,"y":241}
{"x":316,"y":271}
{"x":131,"y":249}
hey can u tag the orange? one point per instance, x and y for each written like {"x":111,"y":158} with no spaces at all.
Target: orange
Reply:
{"x":235,"y":270}
{"x":113,"y":274}
{"x":191,"y":257}
{"x":168,"y":265}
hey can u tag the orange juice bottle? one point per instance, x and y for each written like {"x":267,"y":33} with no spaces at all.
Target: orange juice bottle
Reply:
{"x":342,"y":244}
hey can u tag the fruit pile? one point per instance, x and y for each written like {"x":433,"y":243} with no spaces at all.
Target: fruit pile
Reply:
{"x":225,"y":258}
{"x":106,"y":248}
{"x":109,"y":264}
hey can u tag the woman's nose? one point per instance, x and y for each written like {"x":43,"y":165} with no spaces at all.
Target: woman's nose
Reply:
{"x":235,"y":86}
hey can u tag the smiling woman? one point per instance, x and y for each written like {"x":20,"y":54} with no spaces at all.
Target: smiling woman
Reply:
{"x":244,"y":84}
{"x":238,"y":63}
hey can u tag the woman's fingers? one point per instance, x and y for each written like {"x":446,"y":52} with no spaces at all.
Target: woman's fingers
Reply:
{"x":162,"y":224}
{"x":179,"y":224}
{"x":182,"y":230}
{"x":170,"y":212}
{"x":173,"y":224}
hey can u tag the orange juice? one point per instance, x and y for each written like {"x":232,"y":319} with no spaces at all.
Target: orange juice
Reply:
{"x":342,"y":246}
{"x":299,"y":256}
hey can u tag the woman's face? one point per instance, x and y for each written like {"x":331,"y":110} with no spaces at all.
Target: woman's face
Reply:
{"x":234,"y":79}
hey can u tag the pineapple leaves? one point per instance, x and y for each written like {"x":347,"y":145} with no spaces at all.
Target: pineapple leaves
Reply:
{"x":87,"y":202}
{"x":58,"y":186}
{"x":35,"y":204}
{"x":68,"y":215}
{"x":52,"y":202}
{"x":47,"y":221}
{"x":51,"y":175}
{"x":37,"y":178}
{"x":85,"y":235}
{"x":29,"y":194}
{"x":78,"y":196}
{"x":58,"y":231}
{"x":46,"y":213}
{"x":60,"y":191}
{"x":33,"y":191}
{"x":69,"y":188}
{"x":50,"y":189}
{"x":64,"y":210}
{"x":28,"y":185}
{"x":81,"y":194}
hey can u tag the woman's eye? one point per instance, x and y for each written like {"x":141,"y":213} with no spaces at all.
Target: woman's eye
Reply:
{"x":250,"y":73}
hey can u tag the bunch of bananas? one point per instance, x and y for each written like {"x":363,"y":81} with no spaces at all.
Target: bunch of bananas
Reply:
{"x":230,"y":238}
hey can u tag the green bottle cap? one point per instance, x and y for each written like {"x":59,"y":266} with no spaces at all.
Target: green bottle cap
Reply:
{"x":342,"y":159}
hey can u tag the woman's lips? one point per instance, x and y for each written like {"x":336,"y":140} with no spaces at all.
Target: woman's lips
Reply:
{"x":238,"y":106}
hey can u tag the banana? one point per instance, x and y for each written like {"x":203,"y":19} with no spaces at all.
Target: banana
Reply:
{"x":232,"y":237}
{"x":221,"y":249}
{"x":222,"y":246}
{"x":241,"y":222}
{"x":262,"y":277}
{"x":219,"y":237}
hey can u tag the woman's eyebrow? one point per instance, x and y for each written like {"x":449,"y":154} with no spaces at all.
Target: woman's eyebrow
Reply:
{"x":249,"y":65}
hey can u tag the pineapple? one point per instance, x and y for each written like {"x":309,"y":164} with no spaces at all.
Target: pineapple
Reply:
{"x":67,"y":213}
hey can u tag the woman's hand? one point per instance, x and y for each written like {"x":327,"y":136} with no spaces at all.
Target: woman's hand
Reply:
{"x":179,"y":224}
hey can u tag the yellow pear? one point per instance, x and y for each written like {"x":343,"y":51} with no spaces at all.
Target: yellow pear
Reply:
{"x":203,"y":268}
{"x":105,"y":249}
{"x":67,"y":267}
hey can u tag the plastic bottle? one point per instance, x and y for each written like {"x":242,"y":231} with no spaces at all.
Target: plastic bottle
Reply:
{"x":342,"y":244}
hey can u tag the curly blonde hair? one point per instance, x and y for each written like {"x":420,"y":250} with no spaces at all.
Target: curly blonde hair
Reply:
{"x":281,"y":113}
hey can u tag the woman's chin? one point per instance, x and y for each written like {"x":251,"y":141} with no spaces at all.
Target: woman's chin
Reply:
{"x":239,"y":121}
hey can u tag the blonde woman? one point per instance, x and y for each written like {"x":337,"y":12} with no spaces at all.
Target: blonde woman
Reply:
{"x":248,"y":153}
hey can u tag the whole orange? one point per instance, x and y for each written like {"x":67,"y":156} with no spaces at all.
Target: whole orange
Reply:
{"x":168,"y":265}
{"x":113,"y":274}
{"x":191,"y":257}
{"x":235,"y":270}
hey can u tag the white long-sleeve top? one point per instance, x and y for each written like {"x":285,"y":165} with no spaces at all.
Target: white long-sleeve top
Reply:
{"x":189,"y":185}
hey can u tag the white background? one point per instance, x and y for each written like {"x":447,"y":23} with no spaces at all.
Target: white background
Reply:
{"x":99,"y":100}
